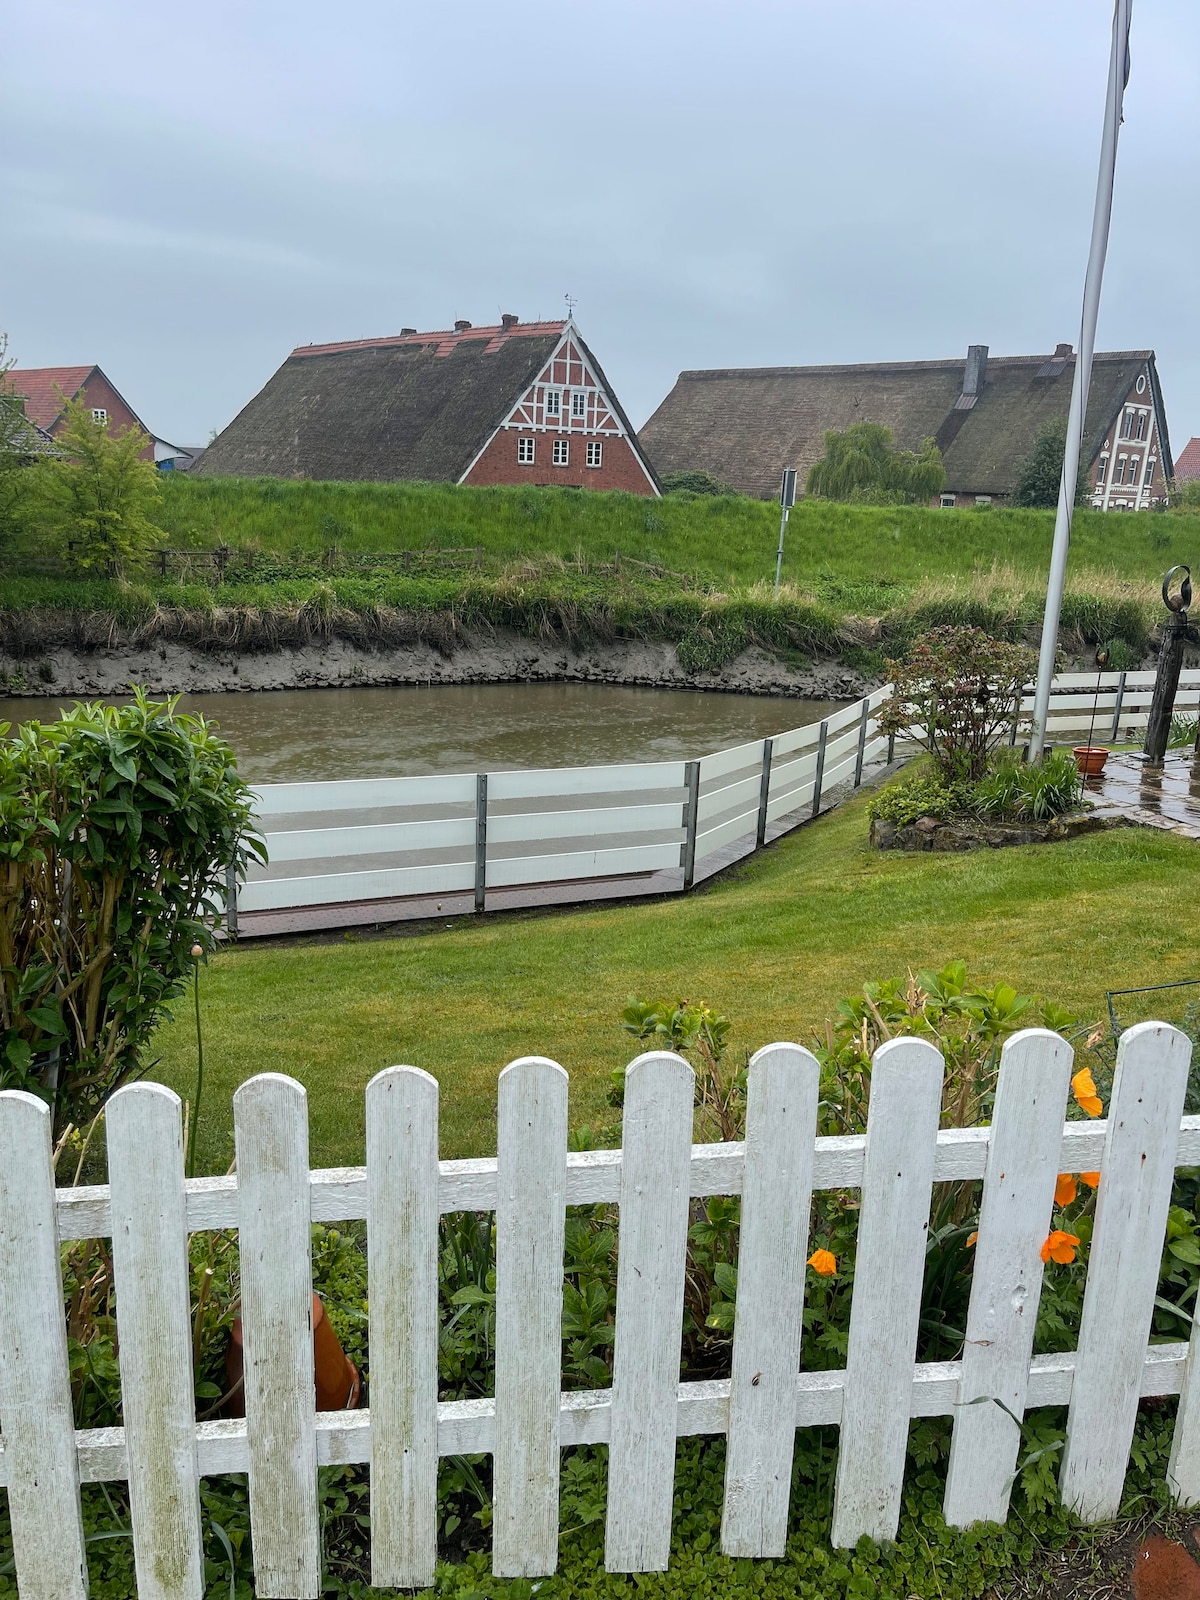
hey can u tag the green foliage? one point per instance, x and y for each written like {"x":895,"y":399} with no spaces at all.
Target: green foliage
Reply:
{"x":19,"y":446}
{"x":925,"y":795}
{"x":959,"y":695}
{"x":118,"y":824}
{"x":1029,"y":791}
{"x":1185,"y":497}
{"x":863,"y":465}
{"x":693,"y":483}
{"x":1039,"y":476}
{"x":99,"y":494}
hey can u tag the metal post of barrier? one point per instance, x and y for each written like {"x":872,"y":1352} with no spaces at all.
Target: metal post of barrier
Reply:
{"x":820,"y":772}
{"x":764,"y":792}
{"x":891,"y":748}
{"x":480,"y":839}
{"x":1116,"y":722}
{"x":231,"y":893}
{"x":862,"y":741}
{"x":691,"y":807}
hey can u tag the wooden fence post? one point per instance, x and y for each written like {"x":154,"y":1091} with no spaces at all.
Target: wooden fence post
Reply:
{"x":862,"y":741}
{"x":1136,"y":1176}
{"x":270,"y":1131}
{"x":690,"y":818}
{"x":781,"y":1118}
{"x":1024,"y":1152}
{"x":481,"y":806}
{"x":531,"y":1203}
{"x":40,"y":1461}
{"x":651,"y":1260}
{"x":764,"y":792}
{"x":819,"y":774}
{"x":889,"y":1270}
{"x":402,"y":1291}
{"x":158,"y":1401}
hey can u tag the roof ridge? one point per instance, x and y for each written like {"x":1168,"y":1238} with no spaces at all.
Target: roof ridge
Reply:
{"x":495,"y":333}
{"x":942,"y":364}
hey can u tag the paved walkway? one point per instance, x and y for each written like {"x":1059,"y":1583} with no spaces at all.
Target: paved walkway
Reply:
{"x":1157,"y":797}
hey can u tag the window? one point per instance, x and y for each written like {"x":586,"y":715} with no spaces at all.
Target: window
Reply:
{"x":525,"y":452}
{"x":1149,"y":475}
{"x":579,"y":404}
{"x":562,"y":453}
{"x":100,"y":415}
{"x":947,"y":502}
{"x":1135,"y":463}
{"x":595,"y":453}
{"x":1119,"y":475}
{"x":1141,"y":384}
{"x":983,"y":499}
{"x":1127,"y":425}
{"x":1101,"y":470}
{"x":553,"y":403}
{"x":1141,"y":426}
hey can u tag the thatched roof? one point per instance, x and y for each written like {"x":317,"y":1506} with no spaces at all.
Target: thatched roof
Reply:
{"x":416,"y":406}
{"x":744,"y":425}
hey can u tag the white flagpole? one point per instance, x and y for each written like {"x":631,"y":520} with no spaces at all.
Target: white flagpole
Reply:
{"x":1118,"y":75}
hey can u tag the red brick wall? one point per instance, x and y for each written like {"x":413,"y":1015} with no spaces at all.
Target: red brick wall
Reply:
{"x":620,"y":468}
{"x":98,"y":393}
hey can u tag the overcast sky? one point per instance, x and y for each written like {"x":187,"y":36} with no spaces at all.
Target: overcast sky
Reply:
{"x":187,"y":193}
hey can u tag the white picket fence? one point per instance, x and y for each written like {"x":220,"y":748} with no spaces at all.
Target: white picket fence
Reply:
{"x":345,"y":841}
{"x":161,"y":1451}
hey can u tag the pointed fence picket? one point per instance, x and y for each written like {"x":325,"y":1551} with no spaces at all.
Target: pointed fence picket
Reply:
{"x":654,"y":1182}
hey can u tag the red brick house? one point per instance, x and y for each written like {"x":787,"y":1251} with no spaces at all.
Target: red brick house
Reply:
{"x":985,"y":413}
{"x":44,"y":389}
{"x":515,"y":403}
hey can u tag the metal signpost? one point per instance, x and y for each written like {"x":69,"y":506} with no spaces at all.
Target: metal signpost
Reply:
{"x":787,"y":499}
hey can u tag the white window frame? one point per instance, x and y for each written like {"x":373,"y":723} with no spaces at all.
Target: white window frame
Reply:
{"x":1148,"y":480}
{"x":525,"y":452}
{"x":949,"y":501}
{"x":1101,"y":471}
{"x":595,"y":448}
{"x":1143,"y":419}
{"x":554,"y":403}
{"x":560,"y":456}
{"x":1141,"y":384}
{"x":100,"y":415}
{"x":1122,"y":462}
{"x":579,"y":404}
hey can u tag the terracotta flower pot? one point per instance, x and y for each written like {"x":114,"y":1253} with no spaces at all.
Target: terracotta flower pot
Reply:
{"x":337,"y":1382}
{"x":1090,"y":759}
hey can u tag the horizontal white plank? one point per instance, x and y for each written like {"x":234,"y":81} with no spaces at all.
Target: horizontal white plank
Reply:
{"x":732,"y":796}
{"x":334,"y":888}
{"x":849,"y":716}
{"x":362,"y":794}
{"x":373,"y":839}
{"x":553,"y":781}
{"x":794,"y":798}
{"x":787,"y":744}
{"x":589,"y":822}
{"x":468,"y":1427}
{"x":509,"y":870}
{"x":740,"y":827}
{"x":734,"y":760}
{"x":339,"y":1194}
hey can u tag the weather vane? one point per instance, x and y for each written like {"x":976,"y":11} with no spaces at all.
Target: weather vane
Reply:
{"x":571,"y":303}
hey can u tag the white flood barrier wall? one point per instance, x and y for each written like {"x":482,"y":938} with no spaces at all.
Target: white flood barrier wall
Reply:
{"x":653,"y":1185}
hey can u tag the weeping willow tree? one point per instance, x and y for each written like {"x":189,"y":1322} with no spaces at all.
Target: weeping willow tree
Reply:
{"x":863,"y":464}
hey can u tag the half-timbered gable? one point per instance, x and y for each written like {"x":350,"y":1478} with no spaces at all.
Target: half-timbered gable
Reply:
{"x":517,"y":403}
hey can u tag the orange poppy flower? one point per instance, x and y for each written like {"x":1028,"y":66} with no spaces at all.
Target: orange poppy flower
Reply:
{"x":1060,"y":1247}
{"x":1065,"y":1189}
{"x":1083,"y":1086}
{"x":823,"y":1262}
{"x":972,"y":1240}
{"x":1092,"y":1179}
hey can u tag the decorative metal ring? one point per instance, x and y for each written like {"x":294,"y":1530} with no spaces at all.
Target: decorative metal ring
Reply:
{"x":1183,"y":599}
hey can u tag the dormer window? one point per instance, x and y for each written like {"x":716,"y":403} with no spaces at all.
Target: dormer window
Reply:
{"x":553,"y":403}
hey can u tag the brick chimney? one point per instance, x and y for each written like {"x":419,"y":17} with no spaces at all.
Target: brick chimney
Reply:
{"x":1063,"y":352}
{"x":507,"y":320}
{"x":461,"y":325}
{"x":976,"y":373}
{"x":404,"y":332}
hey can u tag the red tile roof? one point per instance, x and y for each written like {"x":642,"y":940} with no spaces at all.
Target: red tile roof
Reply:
{"x":445,"y":339}
{"x":1187,"y":463}
{"x":39,"y":386}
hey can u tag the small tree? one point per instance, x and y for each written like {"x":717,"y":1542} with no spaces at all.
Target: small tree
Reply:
{"x":1040,"y":474}
{"x":863,"y":464}
{"x":695,"y":482}
{"x":959,"y":695}
{"x":101,"y":493}
{"x":116,"y":827}
{"x":20,"y":444}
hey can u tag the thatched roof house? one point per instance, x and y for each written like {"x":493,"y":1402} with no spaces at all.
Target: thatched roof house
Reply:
{"x":745,"y":424}
{"x":516,"y":403}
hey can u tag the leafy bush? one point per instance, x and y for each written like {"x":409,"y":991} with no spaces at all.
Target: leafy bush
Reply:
{"x":117,"y":827}
{"x":693,"y":483}
{"x":1039,"y":477}
{"x":1029,"y":791}
{"x":923,"y":796}
{"x":862,"y":464}
{"x":959,"y":695}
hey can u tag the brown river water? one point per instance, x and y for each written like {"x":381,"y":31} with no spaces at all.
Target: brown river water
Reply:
{"x":294,"y":735}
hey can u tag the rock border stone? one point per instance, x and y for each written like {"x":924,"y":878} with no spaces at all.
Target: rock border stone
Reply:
{"x":930,"y":833}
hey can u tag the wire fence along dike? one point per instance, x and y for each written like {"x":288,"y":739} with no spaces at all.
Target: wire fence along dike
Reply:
{"x":149,"y":1209}
{"x":461,"y":836}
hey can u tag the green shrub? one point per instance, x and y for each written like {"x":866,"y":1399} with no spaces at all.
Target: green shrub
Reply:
{"x":1015,"y":790}
{"x":923,"y":796}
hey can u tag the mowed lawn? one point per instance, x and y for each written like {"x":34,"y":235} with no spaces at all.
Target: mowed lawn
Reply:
{"x":774,"y":945}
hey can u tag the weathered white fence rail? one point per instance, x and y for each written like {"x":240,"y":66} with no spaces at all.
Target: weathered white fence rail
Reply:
{"x":335,"y":843}
{"x":162,"y":1452}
